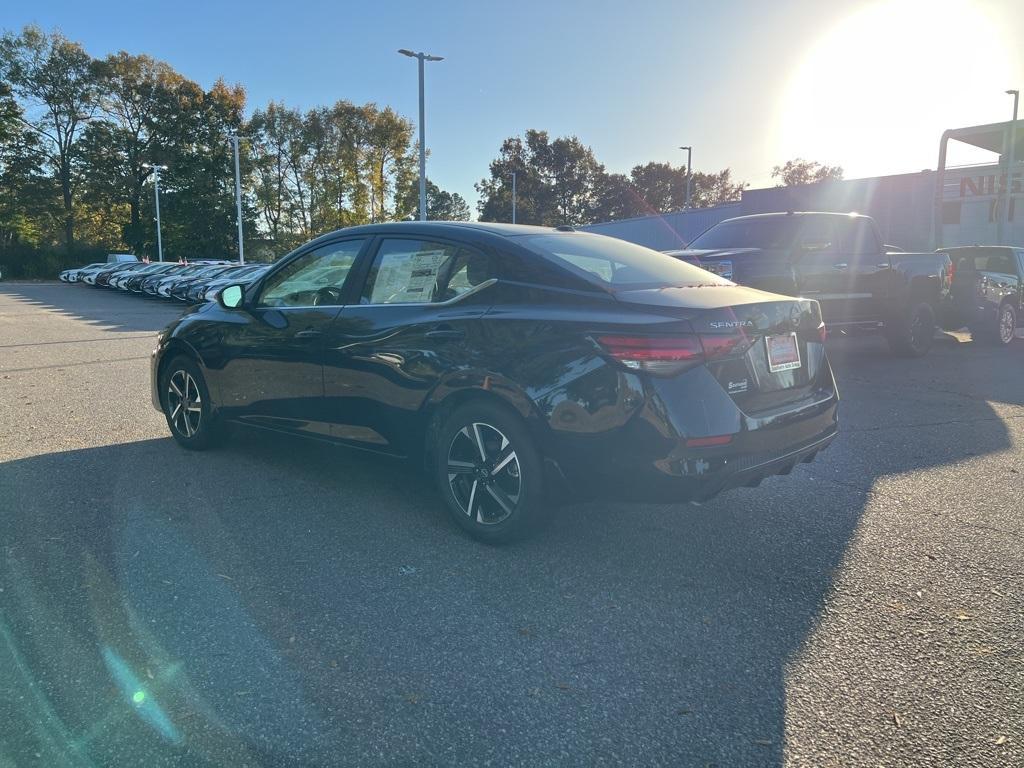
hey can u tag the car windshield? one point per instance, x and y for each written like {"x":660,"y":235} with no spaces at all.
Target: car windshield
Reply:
{"x":770,"y":232}
{"x":612,"y":263}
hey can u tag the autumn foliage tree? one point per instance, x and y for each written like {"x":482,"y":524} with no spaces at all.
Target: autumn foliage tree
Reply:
{"x":560,"y":181}
{"x":800,"y":171}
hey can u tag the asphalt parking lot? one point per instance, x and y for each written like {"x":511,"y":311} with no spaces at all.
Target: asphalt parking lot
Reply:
{"x":282,"y":603}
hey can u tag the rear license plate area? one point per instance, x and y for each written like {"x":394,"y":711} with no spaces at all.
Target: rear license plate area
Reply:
{"x":783,"y":352}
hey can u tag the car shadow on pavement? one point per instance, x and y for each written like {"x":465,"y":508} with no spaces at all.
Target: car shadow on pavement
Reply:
{"x":279,"y":602}
{"x":110,"y":310}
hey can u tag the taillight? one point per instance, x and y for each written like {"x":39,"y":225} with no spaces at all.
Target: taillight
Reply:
{"x":655,"y":354}
{"x":671,"y":354}
{"x":822,"y":333}
{"x":708,"y":442}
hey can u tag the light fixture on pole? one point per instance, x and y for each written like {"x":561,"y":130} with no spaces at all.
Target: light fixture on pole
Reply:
{"x":689,"y":173}
{"x":156,"y":191}
{"x":513,"y":197}
{"x":422,"y":57}
{"x":235,"y":138}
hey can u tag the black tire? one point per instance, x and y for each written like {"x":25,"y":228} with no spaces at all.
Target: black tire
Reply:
{"x":494,"y":498}
{"x":181,"y":383}
{"x":1006,"y":325}
{"x":913,"y":334}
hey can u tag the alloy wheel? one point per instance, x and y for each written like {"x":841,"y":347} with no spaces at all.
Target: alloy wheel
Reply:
{"x":184,"y":403}
{"x":1007,"y":321}
{"x":484,"y":473}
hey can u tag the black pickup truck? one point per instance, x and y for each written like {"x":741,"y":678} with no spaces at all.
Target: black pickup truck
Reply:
{"x":988,"y":291}
{"x":838,"y":259}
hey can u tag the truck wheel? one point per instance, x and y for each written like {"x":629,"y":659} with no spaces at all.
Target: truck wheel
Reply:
{"x":914,"y":333}
{"x":1006,"y":325}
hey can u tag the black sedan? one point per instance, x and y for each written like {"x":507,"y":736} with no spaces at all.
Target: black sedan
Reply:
{"x":512,"y":361}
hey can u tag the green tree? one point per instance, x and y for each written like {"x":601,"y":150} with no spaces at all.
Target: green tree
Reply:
{"x":710,"y":189}
{"x":441,"y":205}
{"x":619,"y":198}
{"x":557,"y":182}
{"x":800,"y":171}
{"x":661,"y":186}
{"x":29,"y":205}
{"x":197,"y":201}
{"x":55,"y":79}
{"x":327,"y":168}
{"x":134,"y":94}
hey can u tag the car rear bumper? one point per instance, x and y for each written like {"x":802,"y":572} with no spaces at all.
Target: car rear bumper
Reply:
{"x":652,"y":457}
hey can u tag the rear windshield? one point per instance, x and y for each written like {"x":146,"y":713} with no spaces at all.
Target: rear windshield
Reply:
{"x":613,"y":263}
{"x":769,"y":233}
{"x":983,"y":259}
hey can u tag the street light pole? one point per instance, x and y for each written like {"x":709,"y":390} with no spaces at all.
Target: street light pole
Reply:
{"x":156,"y":192}
{"x":238,"y":197}
{"x":1011,"y":159}
{"x":422,"y":57}
{"x":689,"y":173}
{"x":513,"y":197}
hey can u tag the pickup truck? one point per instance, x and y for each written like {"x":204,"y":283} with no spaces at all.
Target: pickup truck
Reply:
{"x":838,"y":259}
{"x":988,"y":291}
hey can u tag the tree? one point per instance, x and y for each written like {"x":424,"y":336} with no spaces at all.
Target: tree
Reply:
{"x":661,"y":186}
{"x":557,"y":182}
{"x":710,"y":189}
{"x":55,"y":79}
{"x":134,"y":94}
{"x":197,"y":194}
{"x":441,"y":205}
{"x":800,"y":171}
{"x":619,"y":198}
{"x":330,"y":167}
{"x":28,"y":199}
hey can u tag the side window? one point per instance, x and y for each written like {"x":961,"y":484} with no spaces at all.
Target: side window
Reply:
{"x":315,"y":278}
{"x":861,"y":238}
{"x":1020,"y":263}
{"x":818,"y":235}
{"x":1001,"y":262}
{"x":411,"y":272}
{"x":463,"y":273}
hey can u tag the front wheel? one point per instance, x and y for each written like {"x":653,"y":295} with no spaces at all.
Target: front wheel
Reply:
{"x":187,"y":405}
{"x":913,"y":334}
{"x":488,"y":472}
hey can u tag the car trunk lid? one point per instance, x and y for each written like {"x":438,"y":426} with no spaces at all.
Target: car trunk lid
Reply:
{"x":765,"y":350}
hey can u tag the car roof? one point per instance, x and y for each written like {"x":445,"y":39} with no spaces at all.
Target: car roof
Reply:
{"x":440,"y":229}
{"x":975,"y":247}
{"x":783,"y":214}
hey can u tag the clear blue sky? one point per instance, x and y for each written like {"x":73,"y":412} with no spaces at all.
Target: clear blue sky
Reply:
{"x":749,"y":84}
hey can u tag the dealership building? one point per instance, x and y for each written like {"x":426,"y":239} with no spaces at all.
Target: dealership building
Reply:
{"x":922,"y":211}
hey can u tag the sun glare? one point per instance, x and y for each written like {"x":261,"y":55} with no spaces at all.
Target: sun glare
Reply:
{"x":875,"y":92}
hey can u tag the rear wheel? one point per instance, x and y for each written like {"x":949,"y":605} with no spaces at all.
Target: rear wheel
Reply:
{"x":913,"y":334}
{"x":1006,"y":326}
{"x":187,"y":405}
{"x":489,"y":472}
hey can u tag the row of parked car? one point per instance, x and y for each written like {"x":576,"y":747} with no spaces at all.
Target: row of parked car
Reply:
{"x":191,"y":282}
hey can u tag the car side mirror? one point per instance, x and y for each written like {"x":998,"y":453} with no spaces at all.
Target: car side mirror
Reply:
{"x":231,"y":296}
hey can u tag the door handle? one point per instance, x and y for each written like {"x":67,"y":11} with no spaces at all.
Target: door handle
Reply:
{"x":445,"y":331}
{"x":843,"y":265}
{"x":309,"y":333}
